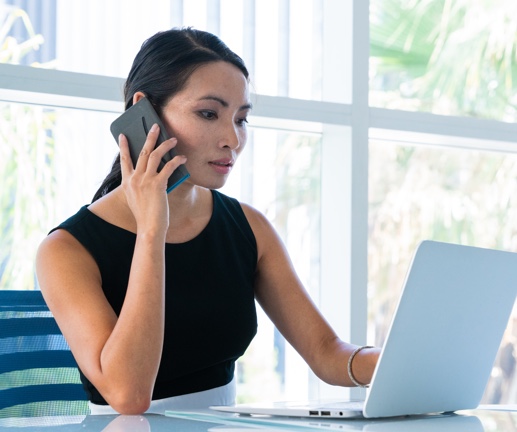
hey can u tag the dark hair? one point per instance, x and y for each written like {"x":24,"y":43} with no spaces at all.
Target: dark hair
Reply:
{"x":161,"y":69}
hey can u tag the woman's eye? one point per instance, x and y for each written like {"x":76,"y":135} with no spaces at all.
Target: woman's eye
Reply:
{"x":242,"y":121}
{"x":209,"y":115}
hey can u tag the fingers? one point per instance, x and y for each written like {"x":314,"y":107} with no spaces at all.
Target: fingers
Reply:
{"x":172,"y":165}
{"x":148,"y":147}
{"x":154,"y":160}
{"x":150,"y":157}
{"x":126,"y":164}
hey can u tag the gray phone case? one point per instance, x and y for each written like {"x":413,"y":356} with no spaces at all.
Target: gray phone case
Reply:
{"x":135,"y":123}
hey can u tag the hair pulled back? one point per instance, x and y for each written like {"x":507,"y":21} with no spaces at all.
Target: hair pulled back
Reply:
{"x":161,"y":69}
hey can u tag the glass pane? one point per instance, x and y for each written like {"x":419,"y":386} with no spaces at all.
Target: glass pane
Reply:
{"x":280,"y":175}
{"x":51,"y":161}
{"x":452,"y":195}
{"x":452,"y":58}
{"x":280,"y":40}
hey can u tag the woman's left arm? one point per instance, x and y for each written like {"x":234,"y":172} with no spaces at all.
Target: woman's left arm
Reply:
{"x":284,"y":299}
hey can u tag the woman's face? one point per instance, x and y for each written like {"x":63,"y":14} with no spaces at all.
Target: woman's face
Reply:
{"x":208,"y":117}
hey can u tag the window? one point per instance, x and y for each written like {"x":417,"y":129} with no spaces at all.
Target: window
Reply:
{"x":280,"y":41}
{"x":71,"y":94}
{"x":457,"y":195}
{"x":362,"y":124}
{"x":432,"y":176}
{"x":452,"y":58}
{"x":285,"y":186}
{"x":52,"y":161}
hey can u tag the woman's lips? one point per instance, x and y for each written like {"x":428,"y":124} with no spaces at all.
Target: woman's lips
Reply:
{"x":222,"y":166}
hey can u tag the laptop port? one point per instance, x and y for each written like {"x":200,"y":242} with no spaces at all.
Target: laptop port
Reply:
{"x":325,"y":413}
{"x":314,"y":413}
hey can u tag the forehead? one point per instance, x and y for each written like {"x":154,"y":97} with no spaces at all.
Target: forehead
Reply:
{"x":217,"y":78}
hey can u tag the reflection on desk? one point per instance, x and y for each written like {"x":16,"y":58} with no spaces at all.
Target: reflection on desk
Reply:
{"x":428,"y":423}
{"x":207,"y":421}
{"x":106,"y":423}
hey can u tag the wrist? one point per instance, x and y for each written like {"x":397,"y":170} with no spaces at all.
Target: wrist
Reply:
{"x":151,"y":236}
{"x":359,"y":368}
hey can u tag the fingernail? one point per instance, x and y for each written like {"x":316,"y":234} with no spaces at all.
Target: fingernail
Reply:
{"x":154,"y":127}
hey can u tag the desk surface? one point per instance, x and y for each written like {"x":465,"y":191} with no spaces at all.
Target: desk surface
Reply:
{"x":207,"y":421}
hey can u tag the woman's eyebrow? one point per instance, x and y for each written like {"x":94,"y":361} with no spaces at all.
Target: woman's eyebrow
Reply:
{"x":226,"y":104}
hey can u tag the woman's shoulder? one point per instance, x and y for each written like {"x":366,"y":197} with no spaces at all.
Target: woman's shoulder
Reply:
{"x":263,"y":230}
{"x":64,"y":238}
{"x":60,"y":238}
{"x":60,"y":250}
{"x":253,"y":216}
{"x":257,"y":220}
{"x":84,"y":232}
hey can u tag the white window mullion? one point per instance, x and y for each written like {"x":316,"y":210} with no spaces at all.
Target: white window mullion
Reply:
{"x":359,"y":171}
{"x":449,"y":131}
{"x":344,"y":208}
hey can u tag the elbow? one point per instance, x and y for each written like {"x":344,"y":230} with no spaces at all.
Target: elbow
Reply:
{"x":130,"y":404}
{"x":325,"y":376}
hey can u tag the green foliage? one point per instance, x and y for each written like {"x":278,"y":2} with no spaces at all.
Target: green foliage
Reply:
{"x":298,"y":176}
{"x":26,"y":169}
{"x":26,"y":155}
{"x":442,"y":194}
{"x":448,"y":57}
{"x":452,"y":57}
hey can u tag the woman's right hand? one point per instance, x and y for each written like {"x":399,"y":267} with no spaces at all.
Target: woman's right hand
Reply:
{"x":146,"y":188}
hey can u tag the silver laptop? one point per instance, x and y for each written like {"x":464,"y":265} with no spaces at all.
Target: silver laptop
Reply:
{"x":442,"y":342}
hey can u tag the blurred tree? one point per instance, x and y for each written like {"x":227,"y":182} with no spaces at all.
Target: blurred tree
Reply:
{"x":451,"y":57}
{"x":454,"y":57}
{"x":26,"y":167}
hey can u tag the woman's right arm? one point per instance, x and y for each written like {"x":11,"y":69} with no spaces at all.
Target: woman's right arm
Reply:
{"x":119,"y":355}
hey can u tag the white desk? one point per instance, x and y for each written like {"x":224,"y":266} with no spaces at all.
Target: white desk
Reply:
{"x":204,"y":421}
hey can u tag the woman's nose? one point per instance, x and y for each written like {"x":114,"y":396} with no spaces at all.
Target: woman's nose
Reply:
{"x":230,"y":138}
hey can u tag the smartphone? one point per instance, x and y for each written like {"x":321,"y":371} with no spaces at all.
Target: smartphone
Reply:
{"x":135,"y":124}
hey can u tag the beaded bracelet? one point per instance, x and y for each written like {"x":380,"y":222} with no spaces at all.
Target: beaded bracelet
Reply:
{"x":349,"y":368}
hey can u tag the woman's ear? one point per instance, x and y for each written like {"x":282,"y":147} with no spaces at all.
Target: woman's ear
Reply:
{"x":137,"y":96}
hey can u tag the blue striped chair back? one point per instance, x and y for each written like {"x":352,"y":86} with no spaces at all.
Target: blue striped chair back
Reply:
{"x":38,"y":374}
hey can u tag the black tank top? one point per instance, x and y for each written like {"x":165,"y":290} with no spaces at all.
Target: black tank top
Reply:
{"x":210,"y":315}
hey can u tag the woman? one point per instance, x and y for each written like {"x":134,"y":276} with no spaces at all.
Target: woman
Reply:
{"x":155,"y":292}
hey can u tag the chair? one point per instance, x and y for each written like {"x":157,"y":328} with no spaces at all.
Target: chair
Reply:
{"x":38,"y":374}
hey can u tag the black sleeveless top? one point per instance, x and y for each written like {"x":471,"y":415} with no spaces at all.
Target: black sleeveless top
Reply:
{"x":210,"y":315}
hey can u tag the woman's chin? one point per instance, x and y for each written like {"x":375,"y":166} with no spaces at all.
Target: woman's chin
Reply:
{"x":207,"y":183}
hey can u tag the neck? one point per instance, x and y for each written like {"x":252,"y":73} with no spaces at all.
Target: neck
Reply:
{"x":189,"y":212}
{"x":187,"y":201}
